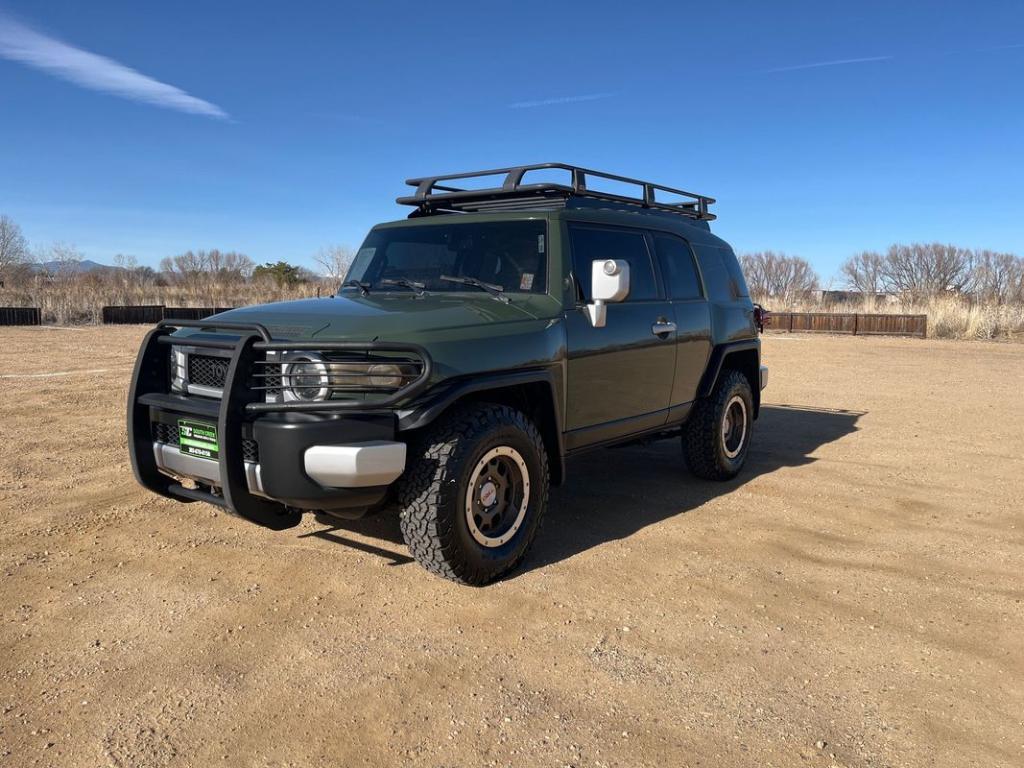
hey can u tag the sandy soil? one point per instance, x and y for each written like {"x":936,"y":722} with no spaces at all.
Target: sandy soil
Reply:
{"x":854,"y":599}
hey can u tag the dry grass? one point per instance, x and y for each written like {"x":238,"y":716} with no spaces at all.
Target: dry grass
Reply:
{"x":949,"y":317}
{"x":80,"y":301}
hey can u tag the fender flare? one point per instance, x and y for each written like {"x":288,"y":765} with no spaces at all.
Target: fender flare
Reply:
{"x":714,"y":367}
{"x":434,"y":402}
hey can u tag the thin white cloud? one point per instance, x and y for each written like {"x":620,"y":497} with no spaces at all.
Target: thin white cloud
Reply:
{"x":98,"y":73}
{"x":560,"y":100}
{"x":836,"y":63}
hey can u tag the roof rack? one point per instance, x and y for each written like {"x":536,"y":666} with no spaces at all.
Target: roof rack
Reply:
{"x":433,"y":197}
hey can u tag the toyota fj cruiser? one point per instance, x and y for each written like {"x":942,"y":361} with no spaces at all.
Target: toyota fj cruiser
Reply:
{"x":472,"y":348}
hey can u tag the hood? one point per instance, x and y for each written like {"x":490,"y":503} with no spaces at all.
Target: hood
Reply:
{"x":381,"y":317}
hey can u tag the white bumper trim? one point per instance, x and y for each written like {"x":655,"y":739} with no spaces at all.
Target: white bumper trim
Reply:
{"x":170,"y":459}
{"x":764,"y":376}
{"x":358,"y":465}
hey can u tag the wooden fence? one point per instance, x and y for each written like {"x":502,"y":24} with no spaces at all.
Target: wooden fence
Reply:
{"x":135,"y":315}
{"x":20,"y":316}
{"x":154,"y":313}
{"x":854,"y":324}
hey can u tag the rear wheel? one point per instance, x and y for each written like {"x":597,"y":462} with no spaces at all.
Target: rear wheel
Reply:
{"x":474,"y":492}
{"x":717,"y":436}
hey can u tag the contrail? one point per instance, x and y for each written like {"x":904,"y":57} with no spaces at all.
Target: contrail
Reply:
{"x":836,"y":63}
{"x":95,"y":72}
{"x":559,"y":100}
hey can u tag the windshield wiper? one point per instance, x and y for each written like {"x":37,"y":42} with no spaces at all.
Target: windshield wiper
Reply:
{"x":364,"y":288}
{"x":496,"y":291}
{"x":404,"y":283}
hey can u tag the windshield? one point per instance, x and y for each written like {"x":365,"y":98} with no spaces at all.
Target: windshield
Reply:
{"x":512,"y":255}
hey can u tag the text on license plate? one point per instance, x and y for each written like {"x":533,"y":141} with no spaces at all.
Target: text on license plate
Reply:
{"x":198,"y":438}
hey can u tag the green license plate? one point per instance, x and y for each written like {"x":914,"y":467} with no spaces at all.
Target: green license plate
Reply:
{"x":197,"y":438}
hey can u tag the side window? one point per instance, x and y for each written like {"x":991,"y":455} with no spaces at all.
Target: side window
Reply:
{"x":720,"y":283}
{"x":591,"y":244}
{"x":677,"y":267}
{"x":738,"y":281}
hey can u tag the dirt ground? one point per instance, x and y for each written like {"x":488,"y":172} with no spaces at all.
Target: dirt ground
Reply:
{"x":854,"y":599}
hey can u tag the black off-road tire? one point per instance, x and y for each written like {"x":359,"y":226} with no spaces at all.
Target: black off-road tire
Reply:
{"x":432,"y":492}
{"x":704,"y":446}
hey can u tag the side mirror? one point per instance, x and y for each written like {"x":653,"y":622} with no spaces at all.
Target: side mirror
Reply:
{"x":609,"y":281}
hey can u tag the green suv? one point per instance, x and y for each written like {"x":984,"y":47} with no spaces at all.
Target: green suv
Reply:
{"x":474,"y":346}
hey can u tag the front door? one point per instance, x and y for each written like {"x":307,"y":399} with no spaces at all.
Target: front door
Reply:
{"x":620,"y":376}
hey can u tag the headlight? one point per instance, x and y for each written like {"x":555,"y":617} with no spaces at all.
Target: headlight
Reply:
{"x":308,"y":377}
{"x":382,"y":375}
{"x":305,"y":378}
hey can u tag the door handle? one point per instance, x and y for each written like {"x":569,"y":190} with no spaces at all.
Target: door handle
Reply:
{"x":663,"y":327}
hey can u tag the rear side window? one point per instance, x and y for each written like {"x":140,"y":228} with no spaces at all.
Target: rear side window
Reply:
{"x":677,"y":267}
{"x":722,"y":274}
{"x":733,"y":265}
{"x":592,"y":244}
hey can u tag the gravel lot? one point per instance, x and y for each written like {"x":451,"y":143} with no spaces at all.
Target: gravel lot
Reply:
{"x":854,"y":599}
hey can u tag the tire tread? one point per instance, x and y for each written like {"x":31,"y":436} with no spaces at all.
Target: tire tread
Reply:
{"x":427,"y":487}
{"x":700,"y":438}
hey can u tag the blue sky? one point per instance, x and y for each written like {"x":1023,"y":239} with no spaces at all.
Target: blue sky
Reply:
{"x":274,"y":129}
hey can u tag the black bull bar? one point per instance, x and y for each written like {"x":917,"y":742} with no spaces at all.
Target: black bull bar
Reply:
{"x":239,"y":404}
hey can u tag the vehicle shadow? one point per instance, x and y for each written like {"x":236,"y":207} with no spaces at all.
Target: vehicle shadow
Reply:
{"x":614,"y":492}
{"x":381,"y":526}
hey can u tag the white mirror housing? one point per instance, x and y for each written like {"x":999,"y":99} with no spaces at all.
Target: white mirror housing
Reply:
{"x":609,"y":282}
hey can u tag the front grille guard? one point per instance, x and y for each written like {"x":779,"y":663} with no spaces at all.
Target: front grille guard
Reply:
{"x":239,"y":402}
{"x":266,"y":344}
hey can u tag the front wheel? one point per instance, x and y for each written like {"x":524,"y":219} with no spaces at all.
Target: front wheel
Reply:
{"x":474,"y":492}
{"x":717,"y":436}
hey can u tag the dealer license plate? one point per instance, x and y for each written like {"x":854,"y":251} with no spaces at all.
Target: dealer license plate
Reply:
{"x":197,"y":438}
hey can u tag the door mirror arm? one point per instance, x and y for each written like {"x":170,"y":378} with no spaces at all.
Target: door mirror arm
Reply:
{"x":597,"y":311}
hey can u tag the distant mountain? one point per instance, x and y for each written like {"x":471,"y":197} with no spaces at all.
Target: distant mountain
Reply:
{"x":75,"y":267}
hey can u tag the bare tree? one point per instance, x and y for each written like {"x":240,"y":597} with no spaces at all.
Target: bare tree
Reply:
{"x":13,"y":247}
{"x":61,"y":259}
{"x":924,"y":270}
{"x":863,"y":272}
{"x":195,"y":267}
{"x":996,"y":276}
{"x":334,"y":261}
{"x":228,"y":267}
{"x":186,"y":269}
{"x":60,"y":276}
{"x":129,"y":263}
{"x":1017,"y":282}
{"x":778,"y":276}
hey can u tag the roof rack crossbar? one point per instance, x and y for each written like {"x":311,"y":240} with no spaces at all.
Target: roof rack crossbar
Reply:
{"x":432,"y":196}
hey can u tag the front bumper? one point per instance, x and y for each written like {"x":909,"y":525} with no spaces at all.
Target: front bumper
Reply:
{"x":361,"y":465}
{"x":273,"y":459}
